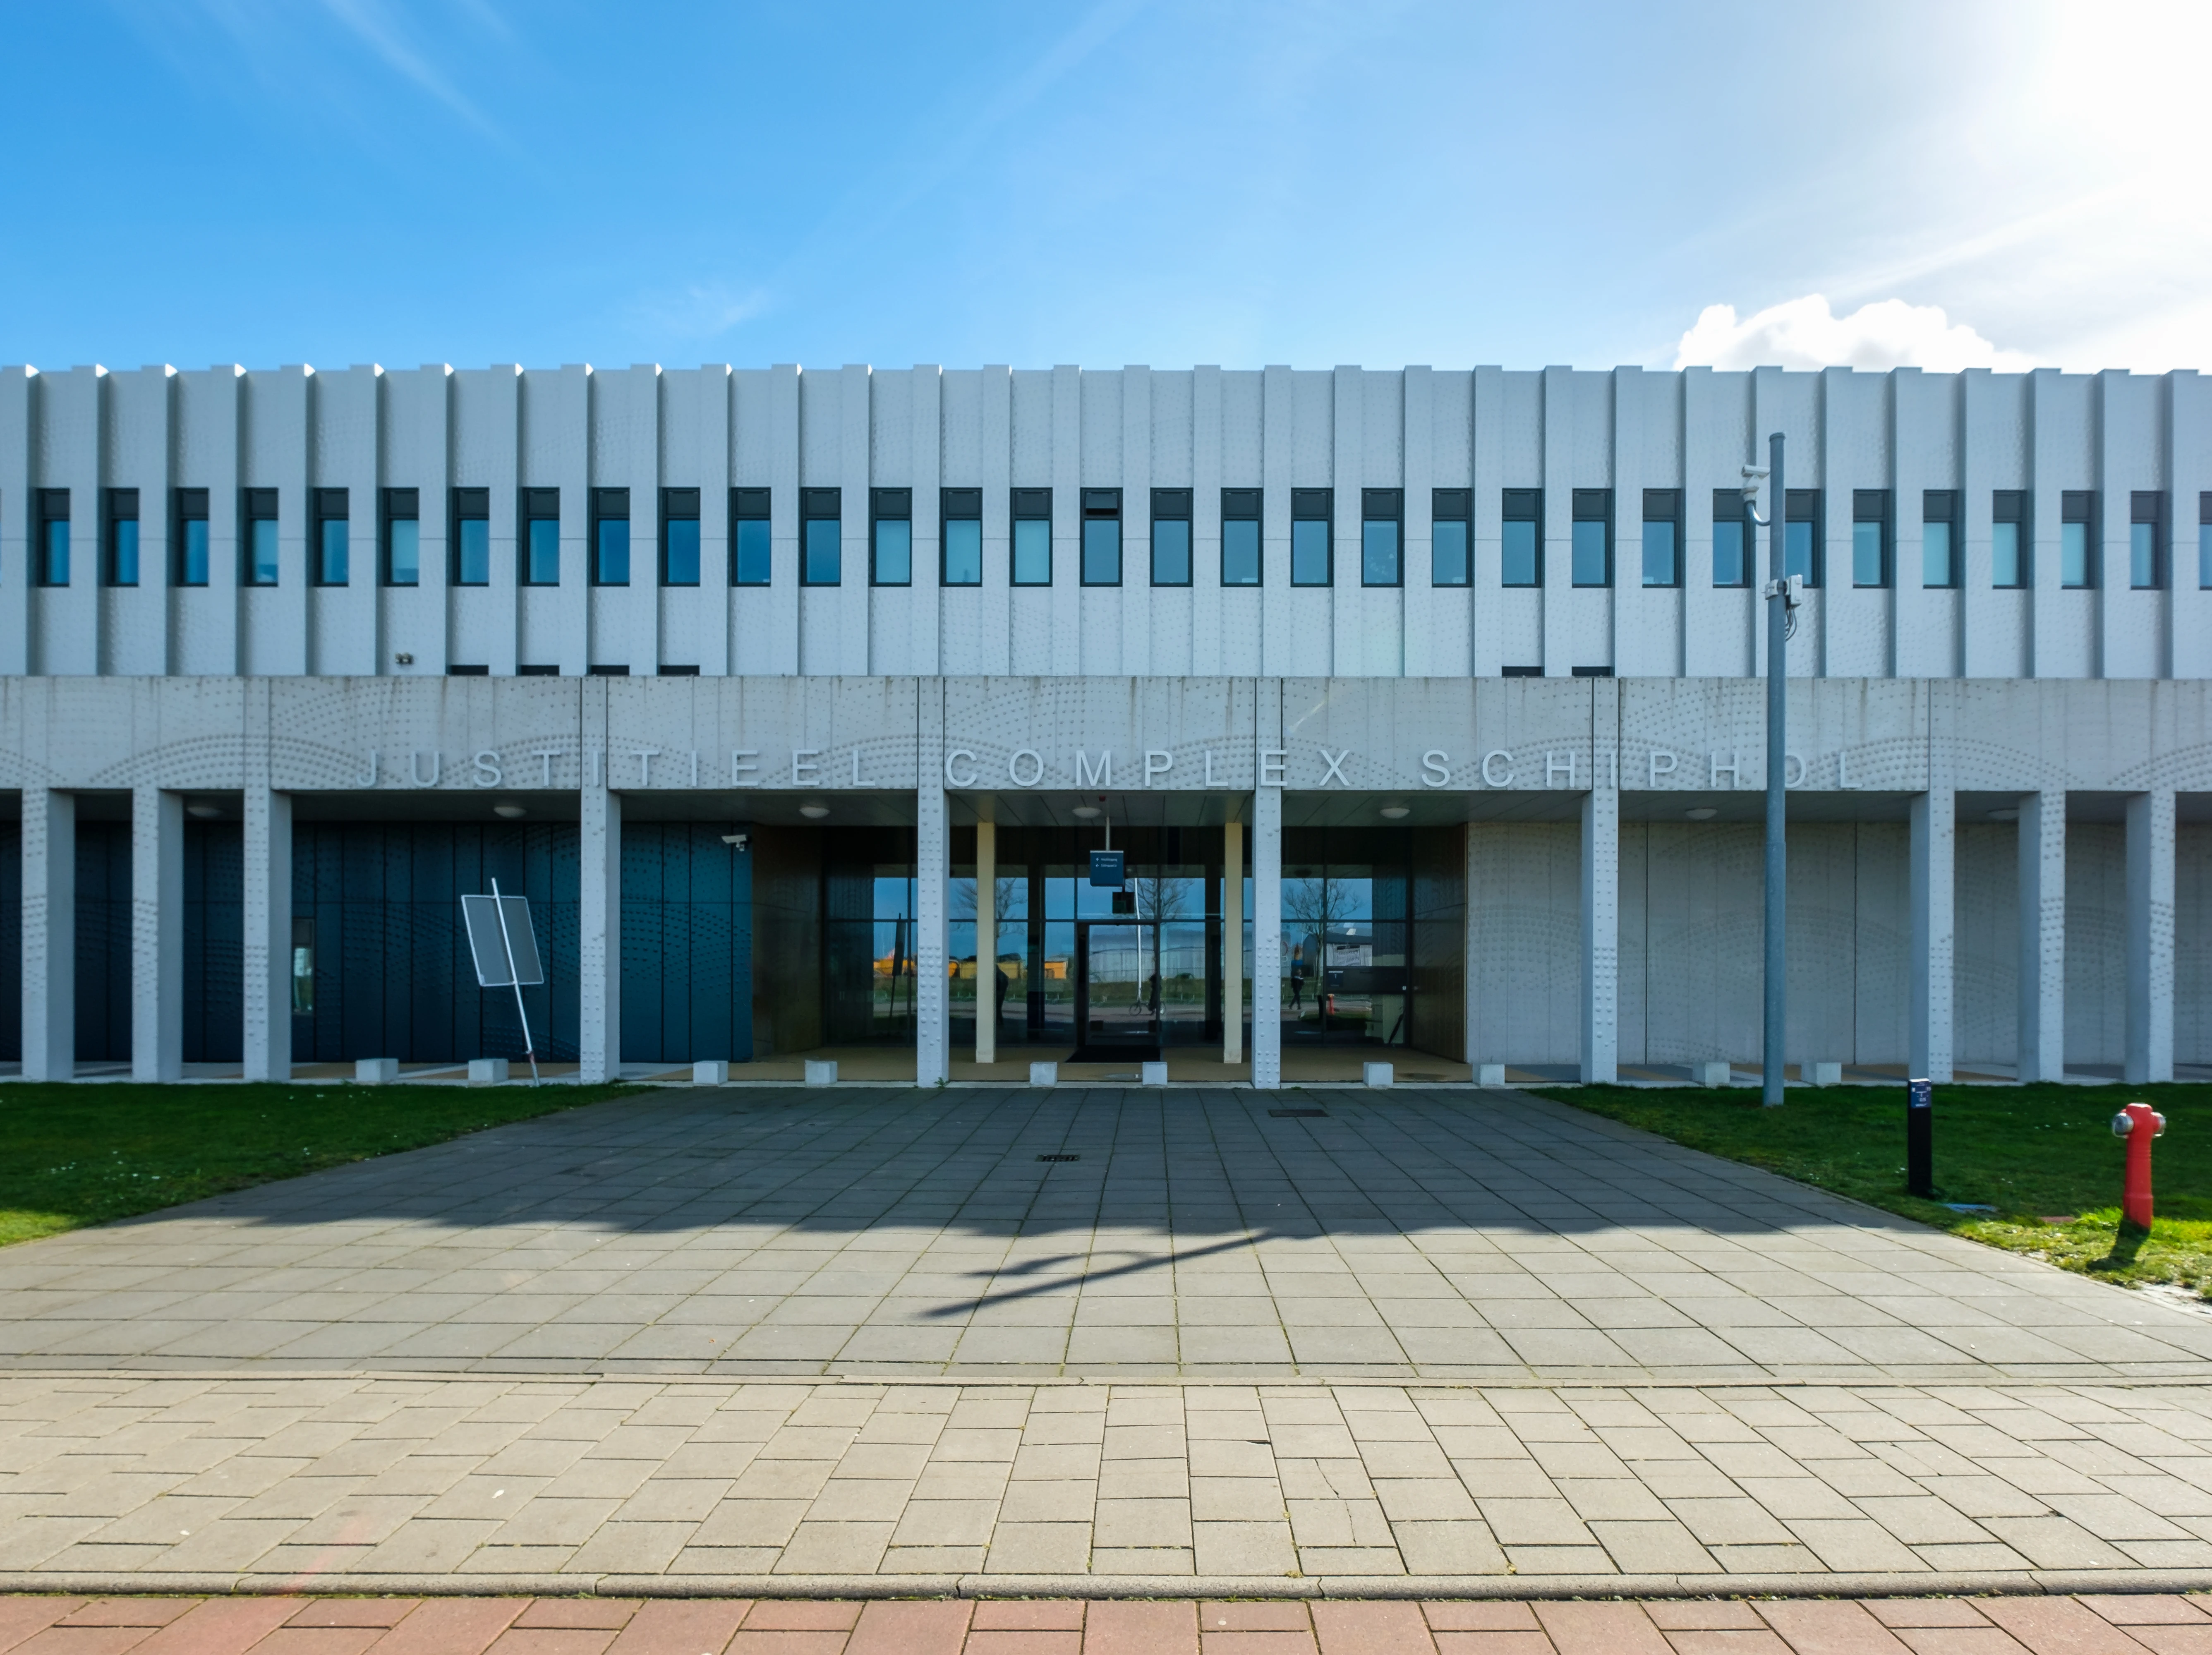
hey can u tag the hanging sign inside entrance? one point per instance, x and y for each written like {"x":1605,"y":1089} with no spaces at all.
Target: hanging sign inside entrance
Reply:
{"x":1106,"y":870}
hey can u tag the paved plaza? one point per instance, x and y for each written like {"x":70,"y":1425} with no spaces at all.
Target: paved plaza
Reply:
{"x":1104,"y":1233}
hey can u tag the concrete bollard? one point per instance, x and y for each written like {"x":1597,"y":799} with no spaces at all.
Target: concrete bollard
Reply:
{"x":1489,"y":1075}
{"x":1044,"y":1074}
{"x":1711,"y":1074}
{"x":376,"y":1071}
{"x":710,"y":1072}
{"x":1153,"y":1074}
{"x":487,"y":1071}
{"x":1380,"y":1074}
{"x":1824,"y":1074}
{"x":820,"y":1071}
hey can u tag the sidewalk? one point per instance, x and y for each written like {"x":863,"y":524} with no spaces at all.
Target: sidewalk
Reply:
{"x":1992,"y":1626}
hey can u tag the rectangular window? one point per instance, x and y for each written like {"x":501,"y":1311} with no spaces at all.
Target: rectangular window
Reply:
{"x":455,"y":670}
{"x":2008,"y":538}
{"x":1240,"y":537}
{"x":1031,"y":510}
{"x":679,"y":537}
{"x":333,"y":538}
{"x":1382,"y":537}
{"x":403,"y":537}
{"x":1870,"y":539}
{"x":123,"y":536}
{"x":2077,"y":510}
{"x":1520,"y":552}
{"x":751,"y":556}
{"x":961,"y":512}
{"x":1311,"y":551}
{"x":891,"y":537}
{"x":1732,"y":547}
{"x":1939,"y":538}
{"x":1102,"y":537}
{"x":258,"y":511}
{"x":53,"y":536}
{"x":608,"y":671}
{"x":670,"y":670}
{"x":541,"y":537}
{"x":1800,"y":542}
{"x":191,"y":537}
{"x":1591,"y":557}
{"x":2204,"y":541}
{"x":1171,"y":509}
{"x":538,"y":669}
{"x":610,"y":537}
{"x":1451,"y":534}
{"x":822,"y":536}
{"x":471,"y":520}
{"x":1662,"y":537}
{"x":1520,"y":672}
{"x":2146,"y":540}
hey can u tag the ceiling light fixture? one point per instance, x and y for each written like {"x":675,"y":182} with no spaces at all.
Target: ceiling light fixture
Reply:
{"x":510,"y":811}
{"x":1086,"y":811}
{"x":814,"y":812}
{"x":205,"y":812}
{"x":2009,"y":813}
{"x":1702,"y":813}
{"x":1396,"y":812}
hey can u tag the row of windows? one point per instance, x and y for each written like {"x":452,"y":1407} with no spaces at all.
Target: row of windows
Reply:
{"x":1313,"y":550}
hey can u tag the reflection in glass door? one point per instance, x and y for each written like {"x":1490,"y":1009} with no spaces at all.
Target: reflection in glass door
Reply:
{"x":1118,"y":989}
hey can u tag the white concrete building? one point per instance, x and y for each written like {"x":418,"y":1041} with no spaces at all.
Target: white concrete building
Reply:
{"x":275,"y":646}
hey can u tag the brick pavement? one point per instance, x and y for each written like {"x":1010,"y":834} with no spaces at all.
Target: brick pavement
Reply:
{"x":1419,"y":1233}
{"x":2101,"y":1625}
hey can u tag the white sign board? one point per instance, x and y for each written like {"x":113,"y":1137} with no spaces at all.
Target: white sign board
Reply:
{"x":491,"y":950}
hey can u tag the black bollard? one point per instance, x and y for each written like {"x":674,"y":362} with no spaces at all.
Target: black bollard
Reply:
{"x":1920,"y":1138}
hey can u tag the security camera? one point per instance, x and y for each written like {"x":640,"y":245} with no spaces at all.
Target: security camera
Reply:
{"x":1754,"y":481}
{"x":735,"y":841}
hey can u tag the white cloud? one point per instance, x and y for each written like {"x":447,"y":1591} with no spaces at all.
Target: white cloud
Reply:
{"x":1805,"y":333}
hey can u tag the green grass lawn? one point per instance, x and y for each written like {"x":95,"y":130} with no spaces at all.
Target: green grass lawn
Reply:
{"x":74,"y":1155}
{"x":2033,"y":1153}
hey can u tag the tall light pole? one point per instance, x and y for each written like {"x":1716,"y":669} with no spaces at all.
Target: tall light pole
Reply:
{"x":1783,"y":594}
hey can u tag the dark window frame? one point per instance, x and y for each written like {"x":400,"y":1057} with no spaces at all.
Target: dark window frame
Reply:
{"x":682,"y":505}
{"x":455,"y":670}
{"x":325,"y":507}
{"x":1806,"y":506}
{"x":1315,"y":505}
{"x":465,"y":505}
{"x":958,"y":506}
{"x":1521,"y":506}
{"x":1245,"y":506}
{"x":2204,"y":541}
{"x":192,"y":506}
{"x":259,"y":506}
{"x":53,"y":506}
{"x":2146,"y":509}
{"x":537,"y":669}
{"x":1943,"y":506}
{"x":1028,"y":506}
{"x":398,"y":506}
{"x":1874,"y":507}
{"x":115,"y":503}
{"x":1382,"y":506}
{"x":1099,"y":506}
{"x":1590,"y":506}
{"x":1453,"y":506}
{"x":820,"y":505}
{"x":750,"y":505}
{"x":2015,"y":507}
{"x":889,"y":506}
{"x":603,"y":502}
{"x":536,"y":506}
{"x":1660,"y":506}
{"x":2080,"y":506}
{"x":1730,"y":507}
{"x":1173,"y":506}
{"x":1520,"y":672}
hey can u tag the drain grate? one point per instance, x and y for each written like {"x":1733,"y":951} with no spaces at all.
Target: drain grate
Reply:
{"x":1299,"y":1114}
{"x":1059,"y":1158}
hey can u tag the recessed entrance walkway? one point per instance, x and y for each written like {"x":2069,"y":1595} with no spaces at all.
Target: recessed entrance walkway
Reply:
{"x":1097,"y":1233}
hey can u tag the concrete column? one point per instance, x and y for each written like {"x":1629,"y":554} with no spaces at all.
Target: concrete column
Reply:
{"x":1232,"y":942}
{"x":157,"y":935}
{"x":599,"y":944}
{"x":1267,"y":937}
{"x":933,"y":872}
{"x":2041,"y":1047}
{"x":2150,"y":937}
{"x":986,"y":942}
{"x":268,"y":943}
{"x":1933,"y":873}
{"x":49,"y":934}
{"x":1600,"y":1021}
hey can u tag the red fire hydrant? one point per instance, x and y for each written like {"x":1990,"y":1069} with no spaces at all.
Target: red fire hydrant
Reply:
{"x":2138,"y":1123}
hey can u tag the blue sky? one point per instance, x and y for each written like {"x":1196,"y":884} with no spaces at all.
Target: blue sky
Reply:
{"x":337,"y":182}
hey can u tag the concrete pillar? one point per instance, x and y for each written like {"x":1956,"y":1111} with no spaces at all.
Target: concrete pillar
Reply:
{"x":1933,"y":873}
{"x":157,"y":934}
{"x":986,"y":942}
{"x":932,"y":877}
{"x":49,"y":934}
{"x":2041,"y":1047}
{"x":1267,"y":937}
{"x":598,"y":1038}
{"x":1600,"y":1020}
{"x":1232,"y":942}
{"x":268,"y":941}
{"x":2150,"y":937}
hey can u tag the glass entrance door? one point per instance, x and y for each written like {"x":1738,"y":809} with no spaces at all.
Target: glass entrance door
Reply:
{"x":1117,"y":990}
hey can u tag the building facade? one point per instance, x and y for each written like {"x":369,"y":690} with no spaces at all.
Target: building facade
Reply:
{"x":1421,"y":704}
